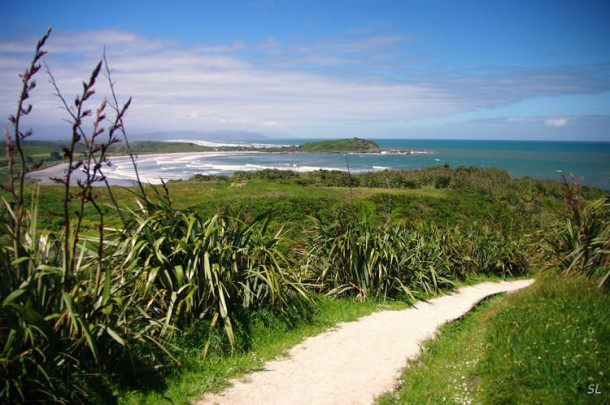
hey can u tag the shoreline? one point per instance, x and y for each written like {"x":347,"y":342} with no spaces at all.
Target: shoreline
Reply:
{"x":44,"y":176}
{"x":185,"y":165}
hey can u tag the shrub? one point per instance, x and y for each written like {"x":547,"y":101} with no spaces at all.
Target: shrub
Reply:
{"x":582,"y":244}
{"x":71,"y":305}
{"x":350,"y":255}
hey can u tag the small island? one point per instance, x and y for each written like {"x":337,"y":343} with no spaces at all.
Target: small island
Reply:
{"x":351,"y":145}
{"x":341,"y":146}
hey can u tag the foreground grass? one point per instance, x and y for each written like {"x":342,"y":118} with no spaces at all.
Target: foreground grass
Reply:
{"x":548,"y":344}
{"x":271,"y":336}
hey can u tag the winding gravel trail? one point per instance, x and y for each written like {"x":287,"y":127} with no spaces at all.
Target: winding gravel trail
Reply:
{"x":357,"y":361}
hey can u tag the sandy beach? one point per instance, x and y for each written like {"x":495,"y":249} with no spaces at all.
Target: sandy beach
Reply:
{"x":121,"y":170}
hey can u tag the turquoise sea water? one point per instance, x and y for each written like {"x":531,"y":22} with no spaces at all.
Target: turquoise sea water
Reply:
{"x":589,"y":162}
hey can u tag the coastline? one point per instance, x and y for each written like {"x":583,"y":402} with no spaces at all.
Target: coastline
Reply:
{"x":588,"y":162}
{"x":44,"y":176}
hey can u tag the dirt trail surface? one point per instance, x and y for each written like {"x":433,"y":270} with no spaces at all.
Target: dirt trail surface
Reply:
{"x":357,"y":361}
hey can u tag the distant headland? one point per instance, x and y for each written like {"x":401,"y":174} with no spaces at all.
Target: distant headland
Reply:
{"x":348,"y":145}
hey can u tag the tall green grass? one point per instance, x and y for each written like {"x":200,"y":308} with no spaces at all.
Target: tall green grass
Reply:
{"x":189,"y":267}
{"x":351,"y":255}
{"x":582,"y":244}
{"x":73,"y":302}
{"x":549,"y":344}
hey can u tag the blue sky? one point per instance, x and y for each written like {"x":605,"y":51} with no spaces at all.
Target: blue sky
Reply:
{"x":408,"y":69}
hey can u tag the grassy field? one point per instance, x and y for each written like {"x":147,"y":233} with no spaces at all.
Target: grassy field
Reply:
{"x":494,"y":225}
{"x":512,"y":204}
{"x":467,"y":205}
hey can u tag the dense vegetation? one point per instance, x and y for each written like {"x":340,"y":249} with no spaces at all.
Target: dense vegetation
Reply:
{"x":102,"y":291}
{"x":340,"y":146}
{"x":546,"y":344}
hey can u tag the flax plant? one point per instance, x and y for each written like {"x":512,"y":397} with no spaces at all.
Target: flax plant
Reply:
{"x":190,"y":268}
{"x":582,"y":243}
{"x":73,"y":305}
{"x":62,"y":313}
{"x":352,"y":256}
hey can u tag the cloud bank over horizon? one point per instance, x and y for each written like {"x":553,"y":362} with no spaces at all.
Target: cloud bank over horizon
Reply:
{"x":364,"y":82}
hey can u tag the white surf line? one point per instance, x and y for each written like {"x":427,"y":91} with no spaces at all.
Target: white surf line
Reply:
{"x":359,"y":360}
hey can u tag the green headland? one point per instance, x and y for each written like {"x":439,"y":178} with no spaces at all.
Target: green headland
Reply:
{"x":341,"y":145}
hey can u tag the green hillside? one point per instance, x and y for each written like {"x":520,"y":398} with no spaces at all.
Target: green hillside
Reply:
{"x":341,"y":145}
{"x":139,"y":147}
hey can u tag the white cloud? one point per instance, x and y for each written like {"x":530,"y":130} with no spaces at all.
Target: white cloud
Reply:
{"x":272,"y":123}
{"x":556,"y":122}
{"x":327,"y":85}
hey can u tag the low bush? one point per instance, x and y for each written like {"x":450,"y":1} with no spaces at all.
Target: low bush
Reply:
{"x":350,"y":255}
{"x":582,"y":243}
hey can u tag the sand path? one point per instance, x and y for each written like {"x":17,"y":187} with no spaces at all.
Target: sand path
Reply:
{"x":357,"y":361}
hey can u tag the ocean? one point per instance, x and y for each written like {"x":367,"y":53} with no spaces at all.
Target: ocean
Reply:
{"x":589,"y":162}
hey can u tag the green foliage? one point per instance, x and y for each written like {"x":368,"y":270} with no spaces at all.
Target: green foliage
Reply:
{"x":164,"y":271}
{"x":340,"y":145}
{"x":74,"y":302}
{"x":194,"y":268}
{"x":266,"y":174}
{"x":351,"y":255}
{"x":548,"y":344}
{"x":582,"y":244}
{"x":495,"y":183}
{"x":57,"y":333}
